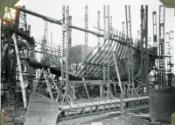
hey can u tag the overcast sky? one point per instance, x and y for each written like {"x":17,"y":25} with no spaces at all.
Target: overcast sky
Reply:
{"x":53,"y":8}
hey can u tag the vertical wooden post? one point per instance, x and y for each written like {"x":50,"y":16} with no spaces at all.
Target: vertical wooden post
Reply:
{"x":101,"y":90}
{"x":129,"y":44}
{"x":67,"y":50}
{"x":120,"y":85}
{"x":108,"y":53}
{"x":108,"y":34}
{"x":123,"y":27}
{"x":67,"y":89}
{"x":63,"y":46}
{"x":0,"y":63}
{"x":86,"y":38}
{"x":98,"y":27}
{"x":104,"y":65}
{"x":162,"y":46}
{"x":86,"y":89}
{"x":86,"y":27}
{"x":73,"y":91}
{"x":104,"y":50}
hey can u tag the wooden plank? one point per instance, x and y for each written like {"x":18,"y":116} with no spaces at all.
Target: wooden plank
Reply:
{"x":98,"y":82}
{"x":117,"y":46}
{"x":81,"y":72}
{"x":120,"y":84}
{"x":101,"y":102}
{"x":87,"y":93}
{"x":20,"y":72}
{"x":41,"y":111}
{"x":99,"y":61}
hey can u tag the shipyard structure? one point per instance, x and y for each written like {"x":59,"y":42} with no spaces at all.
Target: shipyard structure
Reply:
{"x":120,"y":81}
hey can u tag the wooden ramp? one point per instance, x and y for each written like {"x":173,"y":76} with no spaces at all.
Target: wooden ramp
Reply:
{"x":41,"y":111}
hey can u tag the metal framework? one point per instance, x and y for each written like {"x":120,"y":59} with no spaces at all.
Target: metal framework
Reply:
{"x":169,"y":58}
{"x":66,"y":95}
{"x":155,"y":44}
{"x":162,"y":46}
{"x":154,"y":17}
{"x":59,"y":22}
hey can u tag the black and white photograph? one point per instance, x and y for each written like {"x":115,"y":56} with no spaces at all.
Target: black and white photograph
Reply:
{"x":87,"y":62}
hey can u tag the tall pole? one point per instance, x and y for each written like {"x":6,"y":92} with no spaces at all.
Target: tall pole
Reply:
{"x":144,"y":44}
{"x":130,"y":44}
{"x":86,"y":27}
{"x":154,"y":29}
{"x":67,"y":46}
{"x":123,"y":27}
{"x":45,"y":40}
{"x":51,"y":40}
{"x":169,"y":63}
{"x":68,"y":38}
{"x":86,"y":35}
{"x":98,"y":27}
{"x":63,"y":45}
{"x":46,"y":31}
{"x":108,"y":34}
{"x":155,"y":45}
{"x":104,"y":65}
{"x":162,"y":46}
{"x":129,"y":21}
{"x":0,"y":63}
{"x":70,"y":31}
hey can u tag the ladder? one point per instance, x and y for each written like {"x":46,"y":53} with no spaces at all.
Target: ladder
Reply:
{"x":20,"y":72}
{"x":52,"y":86}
